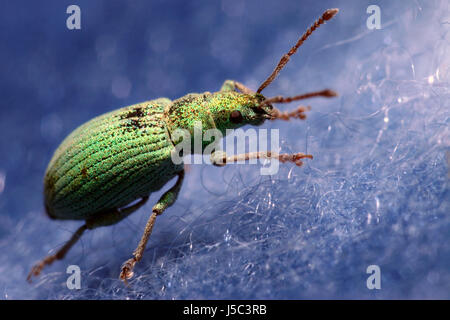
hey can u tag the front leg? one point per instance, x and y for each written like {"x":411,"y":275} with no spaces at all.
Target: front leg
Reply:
{"x":219,"y":158}
{"x":166,"y":200}
{"x":231,"y":85}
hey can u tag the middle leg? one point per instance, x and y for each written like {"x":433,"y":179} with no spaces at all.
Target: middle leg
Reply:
{"x":166,"y":200}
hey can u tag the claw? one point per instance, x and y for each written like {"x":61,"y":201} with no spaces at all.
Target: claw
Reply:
{"x":296,"y":158}
{"x":35,"y":271}
{"x":127,"y":270}
{"x":37,"y":268}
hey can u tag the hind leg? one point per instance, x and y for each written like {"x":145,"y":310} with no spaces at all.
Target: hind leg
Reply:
{"x":106,"y":219}
{"x":37,"y":268}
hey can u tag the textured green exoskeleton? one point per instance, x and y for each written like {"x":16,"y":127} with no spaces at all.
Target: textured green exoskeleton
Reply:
{"x":111,"y":161}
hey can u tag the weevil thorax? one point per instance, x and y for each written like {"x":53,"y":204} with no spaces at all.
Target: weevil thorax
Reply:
{"x":220,"y":110}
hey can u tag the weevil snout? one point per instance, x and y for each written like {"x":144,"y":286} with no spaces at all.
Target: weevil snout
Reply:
{"x":263,"y":111}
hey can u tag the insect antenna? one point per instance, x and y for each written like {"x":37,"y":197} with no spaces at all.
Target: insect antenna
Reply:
{"x":327,"y":15}
{"x":327,"y":93}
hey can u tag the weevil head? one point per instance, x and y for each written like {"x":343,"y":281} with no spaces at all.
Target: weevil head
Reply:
{"x":232,"y":110}
{"x":219,"y":110}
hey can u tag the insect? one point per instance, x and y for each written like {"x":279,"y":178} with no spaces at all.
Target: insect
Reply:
{"x":107,"y":164}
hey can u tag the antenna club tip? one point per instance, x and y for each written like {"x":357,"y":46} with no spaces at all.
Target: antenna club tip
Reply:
{"x":330,"y":13}
{"x":329,"y":93}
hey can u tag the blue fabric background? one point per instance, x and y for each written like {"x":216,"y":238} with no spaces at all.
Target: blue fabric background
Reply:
{"x":376,"y":192}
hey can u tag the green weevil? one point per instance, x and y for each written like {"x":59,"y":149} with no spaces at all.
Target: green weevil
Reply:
{"x":107,"y":168}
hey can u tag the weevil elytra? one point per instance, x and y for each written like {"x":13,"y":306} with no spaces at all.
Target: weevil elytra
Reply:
{"x":111,"y":161}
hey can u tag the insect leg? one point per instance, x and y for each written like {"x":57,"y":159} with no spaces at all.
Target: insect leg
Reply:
{"x":298,"y":113}
{"x":37,"y":268}
{"x":327,"y":93}
{"x":231,"y":85}
{"x":221,"y":158}
{"x":106,"y":219}
{"x":166,"y":200}
{"x":114,"y":216}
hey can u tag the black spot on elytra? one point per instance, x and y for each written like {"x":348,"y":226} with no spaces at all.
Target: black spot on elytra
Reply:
{"x":136,"y":112}
{"x":134,"y":119}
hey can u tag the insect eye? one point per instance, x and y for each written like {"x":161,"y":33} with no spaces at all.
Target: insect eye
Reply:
{"x":236,"y":117}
